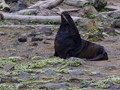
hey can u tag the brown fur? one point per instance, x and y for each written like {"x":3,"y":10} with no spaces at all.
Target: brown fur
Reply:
{"x":68,"y":42}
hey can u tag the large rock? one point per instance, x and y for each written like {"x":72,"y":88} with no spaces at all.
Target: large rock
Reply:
{"x":76,"y":3}
{"x":87,"y":24}
{"x":115,"y":14}
{"x":116,"y":23}
{"x":100,"y":4}
{"x":90,"y":10}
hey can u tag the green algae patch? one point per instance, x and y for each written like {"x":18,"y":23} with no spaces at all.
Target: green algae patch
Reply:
{"x":9,"y":86}
{"x":115,"y":79}
{"x":105,"y":84}
{"x":36,"y":58}
{"x":36,"y":82}
{"x":37,"y":64}
{"x":75,"y":63}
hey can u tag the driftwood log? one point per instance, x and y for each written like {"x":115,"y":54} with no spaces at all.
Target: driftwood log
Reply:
{"x":8,"y":16}
{"x":49,"y":4}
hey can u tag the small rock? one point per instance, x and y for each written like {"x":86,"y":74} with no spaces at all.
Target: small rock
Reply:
{"x":97,"y":74}
{"x":84,"y":85}
{"x":22,"y":39}
{"x":45,"y":29}
{"x":2,"y":33}
{"x":115,"y":15}
{"x":77,"y":72}
{"x":21,"y":5}
{"x":49,"y":86}
{"x":110,"y":31}
{"x":25,"y":76}
{"x":8,"y":67}
{"x":46,"y":42}
{"x":48,"y":33}
{"x":36,"y":39}
{"x":75,"y":80}
{"x":34,"y":44}
{"x":116,"y":23}
{"x":90,"y":10}
{"x":87,"y":24}
{"x":23,"y":86}
{"x":37,"y":78}
{"x":16,"y":43}
{"x":115,"y":87}
{"x":49,"y":73}
{"x":8,"y":80}
{"x":100,"y":4}
{"x":96,"y":35}
{"x":110,"y":67}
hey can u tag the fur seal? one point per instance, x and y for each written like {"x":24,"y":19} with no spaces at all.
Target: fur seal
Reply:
{"x":68,"y":42}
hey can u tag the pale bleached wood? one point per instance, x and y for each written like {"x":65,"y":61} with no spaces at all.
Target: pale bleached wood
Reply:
{"x":8,"y":16}
{"x":46,"y":4}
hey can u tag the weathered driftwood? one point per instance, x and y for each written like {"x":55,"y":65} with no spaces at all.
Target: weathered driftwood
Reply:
{"x":8,"y":16}
{"x":46,"y":4}
{"x":25,"y":26}
{"x":26,"y":11}
{"x":30,"y":11}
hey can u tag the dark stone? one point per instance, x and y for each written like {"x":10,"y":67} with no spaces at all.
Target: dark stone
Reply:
{"x":116,"y":24}
{"x":84,"y":85}
{"x":34,"y":33}
{"x":21,"y":5}
{"x":100,"y":4}
{"x":36,"y":39}
{"x":34,"y":44}
{"x":11,"y":1}
{"x":8,"y":80}
{"x":22,"y":86}
{"x":22,"y":39}
{"x":75,"y":80}
{"x":77,"y":72}
{"x":46,"y":42}
{"x":115,"y":87}
{"x":96,"y":35}
{"x":48,"y":33}
{"x":109,"y":31}
{"x":25,"y":76}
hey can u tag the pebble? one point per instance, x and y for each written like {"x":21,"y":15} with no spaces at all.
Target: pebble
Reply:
{"x":54,"y":86}
{"x":36,"y":39}
{"x":49,"y":73}
{"x":25,"y":76}
{"x":22,"y":39}
{"x":77,"y":72}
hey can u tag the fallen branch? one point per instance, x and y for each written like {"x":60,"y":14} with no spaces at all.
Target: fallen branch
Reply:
{"x":8,"y":16}
{"x":26,"y":11}
{"x":26,"y":26}
{"x":48,"y":4}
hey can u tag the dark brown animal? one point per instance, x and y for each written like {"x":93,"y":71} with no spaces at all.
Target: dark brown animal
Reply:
{"x":68,"y":42}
